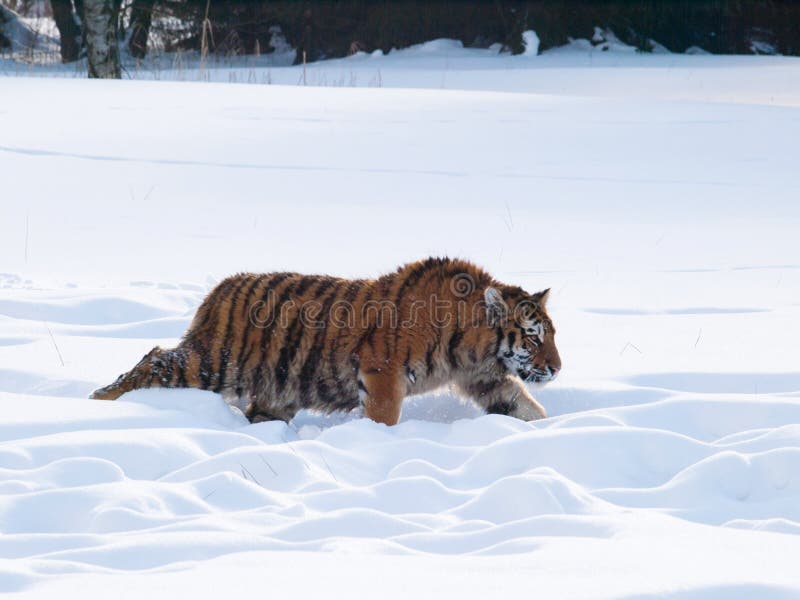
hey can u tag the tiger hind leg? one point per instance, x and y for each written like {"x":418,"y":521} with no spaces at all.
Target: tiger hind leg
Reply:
{"x":259,"y":414}
{"x":158,"y":368}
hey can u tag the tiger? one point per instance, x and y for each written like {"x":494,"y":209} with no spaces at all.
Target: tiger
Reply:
{"x":276,"y":343}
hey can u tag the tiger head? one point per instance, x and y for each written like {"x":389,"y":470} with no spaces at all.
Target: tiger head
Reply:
{"x":525,"y":335}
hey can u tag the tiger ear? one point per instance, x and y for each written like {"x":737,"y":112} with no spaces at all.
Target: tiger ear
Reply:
{"x":496,"y":307}
{"x":540,"y":298}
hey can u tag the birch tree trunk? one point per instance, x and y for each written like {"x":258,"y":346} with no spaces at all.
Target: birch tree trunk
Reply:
{"x":102,"y":49}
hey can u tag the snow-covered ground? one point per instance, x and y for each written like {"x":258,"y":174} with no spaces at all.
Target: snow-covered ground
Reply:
{"x":657,"y":196}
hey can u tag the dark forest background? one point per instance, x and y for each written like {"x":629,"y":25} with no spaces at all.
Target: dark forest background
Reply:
{"x":334,"y":29}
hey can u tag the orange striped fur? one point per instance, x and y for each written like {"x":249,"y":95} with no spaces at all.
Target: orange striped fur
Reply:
{"x":280,"y":342}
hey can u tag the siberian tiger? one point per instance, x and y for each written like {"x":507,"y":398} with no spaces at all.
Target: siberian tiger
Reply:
{"x":280,"y":342}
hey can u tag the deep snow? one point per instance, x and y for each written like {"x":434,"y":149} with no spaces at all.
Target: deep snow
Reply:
{"x":664,"y":222}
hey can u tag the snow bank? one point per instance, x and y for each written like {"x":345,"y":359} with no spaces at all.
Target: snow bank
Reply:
{"x":603,"y":67}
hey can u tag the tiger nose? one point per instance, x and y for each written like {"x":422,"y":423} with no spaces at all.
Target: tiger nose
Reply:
{"x":553,"y":371}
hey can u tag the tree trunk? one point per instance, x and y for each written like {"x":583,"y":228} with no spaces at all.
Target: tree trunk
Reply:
{"x":102,"y":50}
{"x":68,"y":30}
{"x":307,"y":37}
{"x":141,"y":17}
{"x":4,"y":42}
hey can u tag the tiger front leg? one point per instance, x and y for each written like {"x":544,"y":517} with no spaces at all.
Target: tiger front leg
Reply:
{"x":504,"y":396}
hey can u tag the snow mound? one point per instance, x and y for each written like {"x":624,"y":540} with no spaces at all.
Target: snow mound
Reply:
{"x":531,"y":42}
{"x":164,"y":476}
{"x":433,"y":47}
{"x":603,"y":40}
{"x":606,"y":40}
